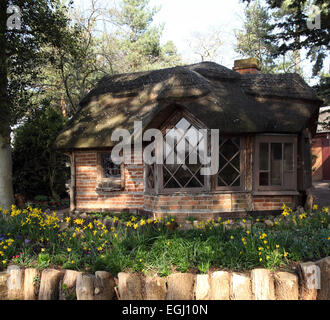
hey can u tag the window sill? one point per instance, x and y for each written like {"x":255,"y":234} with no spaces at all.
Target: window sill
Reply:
{"x":109,"y":186}
{"x":275,"y":193}
{"x":111,"y":189}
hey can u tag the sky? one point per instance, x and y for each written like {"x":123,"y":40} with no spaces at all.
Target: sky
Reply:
{"x":183,"y":18}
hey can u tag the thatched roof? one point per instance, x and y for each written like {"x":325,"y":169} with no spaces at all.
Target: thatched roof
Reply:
{"x":221,"y":98}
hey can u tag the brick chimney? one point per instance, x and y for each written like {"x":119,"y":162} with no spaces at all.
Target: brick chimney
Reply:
{"x":250,"y":65}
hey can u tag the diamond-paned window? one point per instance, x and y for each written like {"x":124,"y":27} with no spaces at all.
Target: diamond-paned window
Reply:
{"x":229,"y":174}
{"x":182,"y":145}
{"x":150,"y":176}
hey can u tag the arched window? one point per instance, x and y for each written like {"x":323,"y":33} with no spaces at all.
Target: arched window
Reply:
{"x":183,"y":149}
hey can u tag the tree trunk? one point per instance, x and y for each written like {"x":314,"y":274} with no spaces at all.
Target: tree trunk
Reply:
{"x":6,"y":187}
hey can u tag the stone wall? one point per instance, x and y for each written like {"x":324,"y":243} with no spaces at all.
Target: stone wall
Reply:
{"x":310,"y":281}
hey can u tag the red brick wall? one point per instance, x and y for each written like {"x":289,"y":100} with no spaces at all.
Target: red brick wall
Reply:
{"x":202,"y":205}
{"x":317,"y":161}
{"x":86,"y":181}
{"x":262,"y":203}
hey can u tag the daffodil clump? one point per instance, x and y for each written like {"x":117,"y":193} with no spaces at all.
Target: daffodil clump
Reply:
{"x":34,"y":238}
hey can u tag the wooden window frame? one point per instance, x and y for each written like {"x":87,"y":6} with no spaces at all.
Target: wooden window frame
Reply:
{"x":117,"y":182}
{"x":148,"y":189}
{"x":242,"y":169}
{"x":159,"y":178}
{"x":274,"y":139}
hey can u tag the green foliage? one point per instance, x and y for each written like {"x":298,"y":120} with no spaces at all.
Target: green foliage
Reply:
{"x":291,"y":31}
{"x":70,"y":294}
{"x":253,"y":40}
{"x":43,"y":260}
{"x":37,"y":169}
{"x":138,"y":39}
{"x":44,"y":23}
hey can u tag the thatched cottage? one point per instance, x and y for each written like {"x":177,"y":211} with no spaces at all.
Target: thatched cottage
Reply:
{"x":266,"y":122}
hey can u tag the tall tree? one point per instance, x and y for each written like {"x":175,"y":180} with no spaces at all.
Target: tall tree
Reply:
{"x":139,"y":40}
{"x":6,"y":189}
{"x":42,"y":23}
{"x":304,"y":25}
{"x":253,"y":40}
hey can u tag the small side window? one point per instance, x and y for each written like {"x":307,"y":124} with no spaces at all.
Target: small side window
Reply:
{"x":276,"y":163}
{"x":109,"y":168}
{"x":110,"y":174}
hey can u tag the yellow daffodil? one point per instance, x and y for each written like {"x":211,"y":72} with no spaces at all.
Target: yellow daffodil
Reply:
{"x":79,"y":221}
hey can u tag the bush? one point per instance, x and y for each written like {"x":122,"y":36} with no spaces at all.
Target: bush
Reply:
{"x":37,"y":168}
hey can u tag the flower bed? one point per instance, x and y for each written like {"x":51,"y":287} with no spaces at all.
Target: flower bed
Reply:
{"x":31,"y":237}
{"x":44,"y":202}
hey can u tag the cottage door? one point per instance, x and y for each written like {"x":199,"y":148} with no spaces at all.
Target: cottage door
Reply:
{"x":326,"y":157}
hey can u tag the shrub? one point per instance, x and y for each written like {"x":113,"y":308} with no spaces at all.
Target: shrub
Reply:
{"x":37,"y":169}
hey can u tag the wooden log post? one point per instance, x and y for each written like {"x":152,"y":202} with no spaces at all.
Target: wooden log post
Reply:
{"x":3,"y":285}
{"x":49,"y":284}
{"x":103,"y":286}
{"x":263,"y":287}
{"x":154,"y":288}
{"x":324,"y":292}
{"x":30,"y":284}
{"x":240,"y":287}
{"x":202,"y":287}
{"x":310,"y":280}
{"x":219,"y":285}
{"x":67,"y":287}
{"x":129,"y":286}
{"x":15,"y":283}
{"x":286,"y":286}
{"x":85,"y":286}
{"x":180,"y":286}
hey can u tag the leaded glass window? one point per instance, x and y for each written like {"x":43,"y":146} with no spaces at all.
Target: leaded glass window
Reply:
{"x":109,"y":168}
{"x":183,"y":145}
{"x":229,"y":174}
